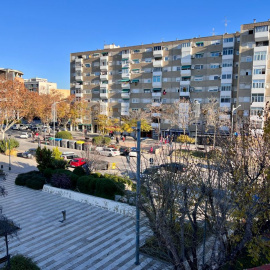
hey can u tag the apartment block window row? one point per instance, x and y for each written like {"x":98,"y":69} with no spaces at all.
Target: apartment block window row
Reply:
{"x":263,"y":28}
{"x":227,"y":51}
{"x":259,"y":56}
{"x":226,"y":87}
{"x":214,"y":65}
{"x":256,"y":111}
{"x":257,"y":98}
{"x":225,"y":99}
{"x":227,"y":40}
{"x":258,"y":83}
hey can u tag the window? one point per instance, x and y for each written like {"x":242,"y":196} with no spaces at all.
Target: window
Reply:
{"x":156,"y":100}
{"x":237,"y":52}
{"x":226,"y":87}
{"x":225,"y":99}
{"x":136,"y":70}
{"x":166,"y":58}
{"x":228,"y":51}
{"x":258,"y":56}
{"x":259,"y":70}
{"x":164,"y":100}
{"x":148,"y":49}
{"x":227,"y":64}
{"x":136,"y":51}
{"x":214,"y":54}
{"x":157,"y":69}
{"x":125,"y":52}
{"x":199,"y":55}
{"x":256,"y":111}
{"x":263,"y":28}
{"x":250,"y":32}
{"x":249,"y":59}
{"x":198,"y":89}
{"x":199,"y":44}
{"x":135,"y":91}
{"x":198,"y":67}
{"x":213,"y":89}
{"x":227,"y":40}
{"x":176,"y":57}
{"x":185,"y":45}
{"x":216,"y":77}
{"x":147,"y":80}
{"x":125,"y":71}
{"x":258,"y":83}
{"x":214,"y":65}
{"x":97,"y":73}
{"x":262,"y":43}
{"x":88,"y":91}
{"x":156,"y":78}
{"x":178,"y":79}
{"x":215,"y":42}
{"x":87,"y":65}
{"x":157,"y":48}
{"x":148,"y":60}
{"x":198,"y":78}
{"x":226,"y":76}
{"x":147,"y":90}
{"x":136,"y":61}
{"x":257,"y":98}
{"x":87,"y":74}
{"x":135,"y":100}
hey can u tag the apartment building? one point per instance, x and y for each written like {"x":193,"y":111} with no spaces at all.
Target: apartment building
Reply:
{"x":232,"y":68}
{"x":39,"y":85}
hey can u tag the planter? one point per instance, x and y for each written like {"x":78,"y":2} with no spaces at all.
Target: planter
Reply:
{"x":112,"y":206}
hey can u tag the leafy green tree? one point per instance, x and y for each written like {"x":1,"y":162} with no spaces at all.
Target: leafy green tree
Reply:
{"x":44,"y":158}
{"x":56,"y":153}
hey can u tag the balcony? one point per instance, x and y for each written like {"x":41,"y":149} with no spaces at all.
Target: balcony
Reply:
{"x":125,"y":94}
{"x":125,"y":85}
{"x":103,"y":66}
{"x":104,"y":95}
{"x":125,"y":112}
{"x":261,"y":36}
{"x":156,"y":104}
{"x":79,"y":60}
{"x":155,"y":125}
{"x":126,"y":75}
{"x":185,"y":81}
{"x":78,"y":68}
{"x":125,"y":55}
{"x":104,"y":84}
{"x":79,"y":95}
{"x":79,"y":78}
{"x":125,"y":63}
{"x":104,"y":59}
{"x":125,"y":105}
{"x":227,"y":57}
{"x":104,"y":76}
{"x":184,"y":94}
{"x":186,"y":72}
{"x":158,"y":53}
{"x":79,"y":86}
{"x":156,"y":94}
{"x":186,"y":60}
{"x":158,"y":63}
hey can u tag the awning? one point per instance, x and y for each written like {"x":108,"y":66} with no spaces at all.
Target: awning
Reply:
{"x":125,"y":90}
{"x":199,"y":42}
{"x":186,"y":67}
{"x":135,"y":69}
{"x":125,"y":67}
{"x":95,"y":54}
{"x":125,"y":98}
{"x":184,"y":77}
{"x":124,"y":80}
{"x":124,"y":59}
{"x":135,"y":60}
{"x":157,"y":89}
{"x":104,"y":82}
{"x":104,"y":52}
{"x":135,"y":80}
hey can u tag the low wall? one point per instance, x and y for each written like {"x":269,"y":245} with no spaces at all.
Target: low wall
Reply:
{"x":120,"y":208}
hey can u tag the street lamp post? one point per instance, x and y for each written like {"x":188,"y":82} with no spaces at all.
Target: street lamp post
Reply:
{"x":197,"y":115}
{"x":233,"y":109}
{"x":9,"y":152}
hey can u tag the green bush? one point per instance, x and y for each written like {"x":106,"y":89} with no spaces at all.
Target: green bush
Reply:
{"x":82,"y":184}
{"x":64,"y":135}
{"x":35,"y":182}
{"x":97,"y":175}
{"x":21,"y":178}
{"x":20,"y":262}
{"x":107,"y":188}
{"x":79,"y":171}
{"x":92,"y":184}
{"x":48,"y":173}
{"x":4,"y":144}
{"x":59,"y":163}
{"x":100,"y":141}
{"x":44,"y":158}
{"x":61,"y":181}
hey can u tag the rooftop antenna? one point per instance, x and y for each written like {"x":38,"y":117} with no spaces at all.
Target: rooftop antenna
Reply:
{"x":162,"y":39}
{"x":213,"y":32}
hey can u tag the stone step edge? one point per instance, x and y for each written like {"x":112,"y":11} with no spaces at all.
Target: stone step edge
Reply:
{"x":116,"y":207}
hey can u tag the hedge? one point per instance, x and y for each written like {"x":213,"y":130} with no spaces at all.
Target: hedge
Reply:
{"x":21,"y":178}
{"x":79,"y":171}
{"x":20,"y":262}
{"x":100,"y":141}
{"x":63,"y":135}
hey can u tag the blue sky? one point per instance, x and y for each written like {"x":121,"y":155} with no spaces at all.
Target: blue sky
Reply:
{"x":38,"y":36}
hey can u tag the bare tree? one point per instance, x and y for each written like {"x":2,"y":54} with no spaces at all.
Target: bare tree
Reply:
{"x":205,"y":215}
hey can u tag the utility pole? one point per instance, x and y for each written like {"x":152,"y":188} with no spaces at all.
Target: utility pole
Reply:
{"x":138,"y":193}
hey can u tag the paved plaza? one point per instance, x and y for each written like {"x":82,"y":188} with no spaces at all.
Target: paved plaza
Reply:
{"x":90,"y":238}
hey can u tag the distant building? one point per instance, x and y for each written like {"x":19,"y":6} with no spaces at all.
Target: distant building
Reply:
{"x":10,"y":74}
{"x":65,"y":93}
{"x":39,"y":85}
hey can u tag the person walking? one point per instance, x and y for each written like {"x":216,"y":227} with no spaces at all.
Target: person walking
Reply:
{"x":117,"y":140}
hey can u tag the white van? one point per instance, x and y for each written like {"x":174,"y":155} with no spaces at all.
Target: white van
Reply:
{"x":69,"y":155}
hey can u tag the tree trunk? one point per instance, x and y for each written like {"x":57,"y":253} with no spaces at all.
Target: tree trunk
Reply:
{"x":2,"y":135}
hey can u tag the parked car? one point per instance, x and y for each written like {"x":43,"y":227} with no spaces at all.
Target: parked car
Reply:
{"x":96,"y":166}
{"x":15,"y":127}
{"x":77,"y":162}
{"x":23,"y":127}
{"x":69,"y":155}
{"x":30,"y":153}
{"x":25,"y":135}
{"x":109,"y":152}
{"x":133,"y":152}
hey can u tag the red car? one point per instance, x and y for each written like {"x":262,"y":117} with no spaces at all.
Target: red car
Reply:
{"x":77,"y":162}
